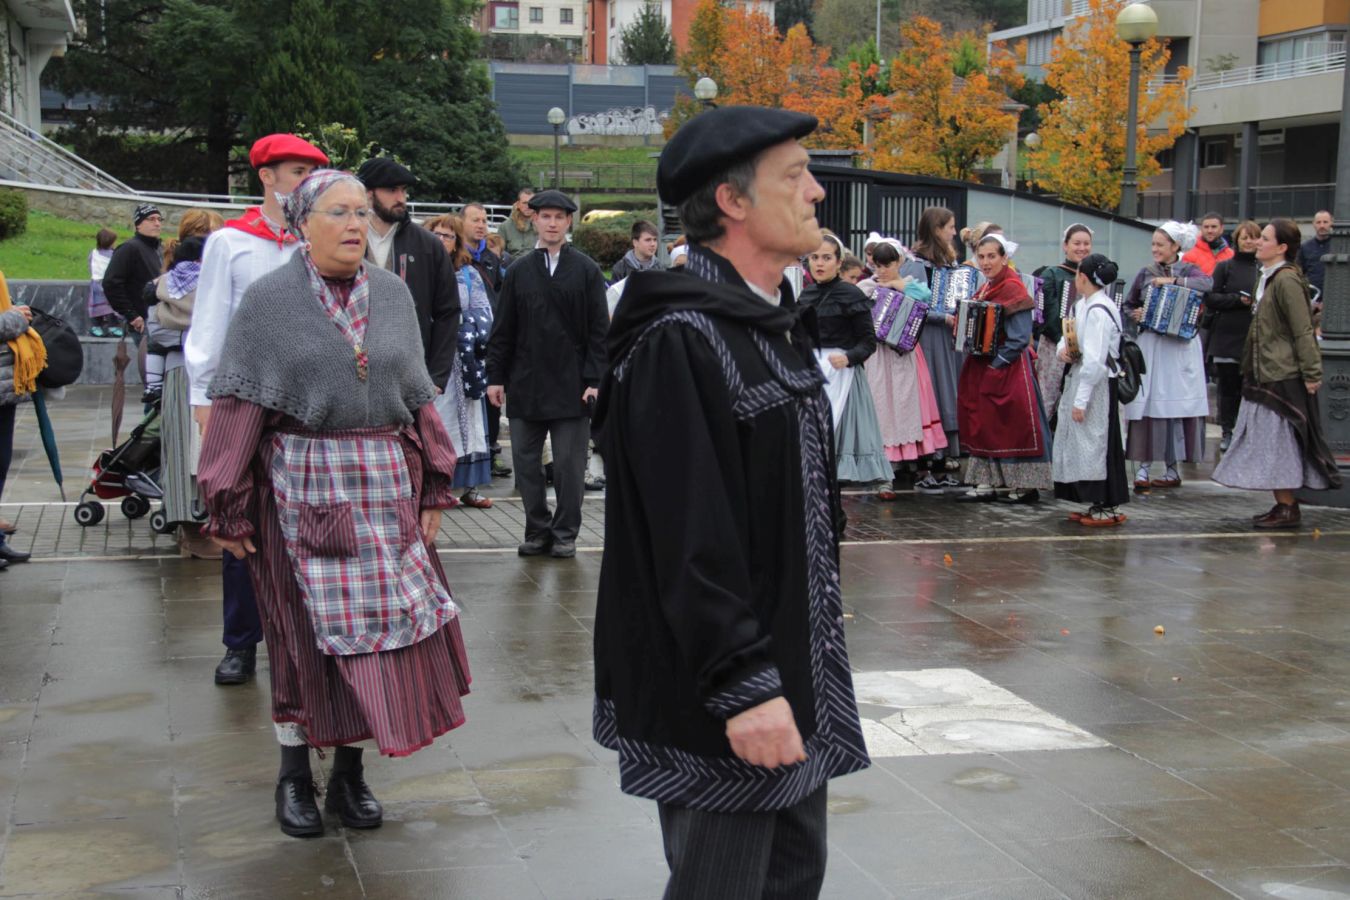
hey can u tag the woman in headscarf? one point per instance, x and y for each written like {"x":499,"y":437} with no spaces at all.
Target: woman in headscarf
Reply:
{"x":1167,"y":417}
{"x":1058,"y":284}
{"x":1003,"y":423}
{"x":1278,"y":444}
{"x":847,"y":341}
{"x":935,"y":248}
{"x":1089,"y":460}
{"x":463,"y":407}
{"x":902,"y":389}
{"x":327,"y":466}
{"x":22,"y":358}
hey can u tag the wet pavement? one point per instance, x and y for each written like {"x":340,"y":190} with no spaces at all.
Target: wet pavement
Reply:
{"x":1160,"y":711}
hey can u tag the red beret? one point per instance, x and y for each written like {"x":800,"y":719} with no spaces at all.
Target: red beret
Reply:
{"x":276,"y":148}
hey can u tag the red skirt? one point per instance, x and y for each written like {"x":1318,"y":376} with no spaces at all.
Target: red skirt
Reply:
{"x":1000,"y":410}
{"x":403,"y":699}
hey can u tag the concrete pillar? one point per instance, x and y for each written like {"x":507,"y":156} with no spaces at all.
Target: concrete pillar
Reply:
{"x":1185,"y":174}
{"x":1248,"y":169}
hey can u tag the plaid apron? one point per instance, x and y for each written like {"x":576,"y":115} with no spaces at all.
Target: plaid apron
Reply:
{"x":351,"y":525}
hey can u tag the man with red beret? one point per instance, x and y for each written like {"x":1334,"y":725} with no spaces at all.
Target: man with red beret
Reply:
{"x":237,"y":255}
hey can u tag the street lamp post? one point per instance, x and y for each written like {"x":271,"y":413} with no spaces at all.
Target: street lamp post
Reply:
{"x":556,"y":117}
{"x":1033,"y":141}
{"x":705,"y":89}
{"x":1136,"y":24}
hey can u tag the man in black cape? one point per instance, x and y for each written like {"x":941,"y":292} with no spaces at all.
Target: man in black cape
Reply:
{"x":721,"y":674}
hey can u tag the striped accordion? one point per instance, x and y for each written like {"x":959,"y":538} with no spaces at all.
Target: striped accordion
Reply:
{"x":1068,"y":296}
{"x":898,"y":318}
{"x":979,"y":327}
{"x":951,"y":285}
{"x":1172,"y":310}
{"x":1036,"y":291}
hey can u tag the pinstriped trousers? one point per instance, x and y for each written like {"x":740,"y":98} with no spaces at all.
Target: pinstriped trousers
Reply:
{"x":748,"y":855}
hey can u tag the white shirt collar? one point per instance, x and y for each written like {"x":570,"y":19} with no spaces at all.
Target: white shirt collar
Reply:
{"x":771,"y":298}
{"x":1267,"y":270}
{"x":379,"y":246}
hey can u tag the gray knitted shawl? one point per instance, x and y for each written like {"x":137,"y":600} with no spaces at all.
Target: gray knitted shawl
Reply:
{"x":283,"y":352}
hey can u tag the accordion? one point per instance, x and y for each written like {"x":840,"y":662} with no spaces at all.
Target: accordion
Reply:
{"x":1068,"y":296}
{"x":951,"y":285}
{"x":898,"y":318}
{"x":979,"y":327}
{"x":1172,"y":310}
{"x":1036,"y":290}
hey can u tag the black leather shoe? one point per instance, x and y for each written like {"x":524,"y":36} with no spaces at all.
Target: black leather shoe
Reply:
{"x":564,"y":551}
{"x":238,"y":666}
{"x":297,"y":810}
{"x":3,"y":565}
{"x":9,"y":554}
{"x":534,"y":548}
{"x":350,"y":797}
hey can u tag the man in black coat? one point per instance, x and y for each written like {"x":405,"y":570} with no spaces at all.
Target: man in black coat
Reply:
{"x":396,"y":243}
{"x":1314,"y":248}
{"x":721,"y":674}
{"x":134,"y":265}
{"x":546,"y":356}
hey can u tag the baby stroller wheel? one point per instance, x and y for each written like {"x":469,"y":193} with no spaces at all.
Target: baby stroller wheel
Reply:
{"x":135,"y":506}
{"x":159,"y":523}
{"x":89,"y":513}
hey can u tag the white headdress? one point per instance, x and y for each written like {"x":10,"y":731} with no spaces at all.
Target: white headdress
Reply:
{"x":1009,"y":247}
{"x":1184,"y":234}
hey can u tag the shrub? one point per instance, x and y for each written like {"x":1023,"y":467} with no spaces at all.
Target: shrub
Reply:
{"x":607,"y":240}
{"x":13,"y":213}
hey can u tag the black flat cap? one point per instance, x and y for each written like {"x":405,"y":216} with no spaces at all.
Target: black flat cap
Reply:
{"x":383,"y":172}
{"x":712,"y":141}
{"x":552,"y":199}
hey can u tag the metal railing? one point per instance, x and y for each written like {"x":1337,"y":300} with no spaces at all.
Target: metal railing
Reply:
{"x":607,"y":178}
{"x":1293,"y":68}
{"x":1297,"y":201}
{"x":25,"y":155}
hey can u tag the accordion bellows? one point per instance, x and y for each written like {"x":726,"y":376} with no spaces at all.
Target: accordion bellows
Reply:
{"x":898,"y":318}
{"x":1172,"y":310}
{"x":979,"y":327}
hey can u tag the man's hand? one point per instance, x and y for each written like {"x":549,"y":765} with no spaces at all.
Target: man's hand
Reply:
{"x":201,"y":415}
{"x":766,"y":735}
{"x":1079,"y":415}
{"x":589,"y":394}
{"x":431,"y":523}
{"x":26,"y":312}
{"x":238,"y":549}
{"x":138,"y":323}
{"x":496,"y":395}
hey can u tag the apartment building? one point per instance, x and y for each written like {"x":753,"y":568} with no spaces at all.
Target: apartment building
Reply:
{"x":34,"y":32}
{"x":606,"y":20}
{"x":1266,"y":96}
{"x":515,"y":29}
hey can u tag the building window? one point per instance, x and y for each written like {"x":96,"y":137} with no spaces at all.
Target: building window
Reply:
{"x":536,"y":14}
{"x":506,"y":17}
{"x":1300,"y":46}
{"x":1214,"y":154}
{"x":1167,"y":159}
{"x":565,"y":16}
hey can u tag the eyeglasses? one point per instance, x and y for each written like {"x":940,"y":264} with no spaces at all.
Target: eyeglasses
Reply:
{"x":445,"y":235}
{"x":342,"y":213}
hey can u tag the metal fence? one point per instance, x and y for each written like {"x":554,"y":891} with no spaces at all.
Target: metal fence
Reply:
{"x":1295,"y":201}
{"x":607,"y":178}
{"x":1289,"y":68}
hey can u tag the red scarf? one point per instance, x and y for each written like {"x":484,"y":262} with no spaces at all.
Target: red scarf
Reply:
{"x":255,"y":223}
{"x":1007,"y":290}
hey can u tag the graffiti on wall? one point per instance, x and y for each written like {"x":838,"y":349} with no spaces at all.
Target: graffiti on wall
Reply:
{"x":638,"y":120}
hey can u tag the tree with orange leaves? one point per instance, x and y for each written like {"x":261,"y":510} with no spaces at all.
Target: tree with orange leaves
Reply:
{"x":1081,"y":156}
{"x":753,"y":64}
{"x":936,"y":122}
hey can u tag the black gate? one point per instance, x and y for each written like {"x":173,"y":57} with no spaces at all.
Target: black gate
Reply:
{"x":857,"y":202}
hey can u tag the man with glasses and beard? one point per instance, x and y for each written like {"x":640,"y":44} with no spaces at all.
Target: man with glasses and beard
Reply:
{"x":416,"y":256}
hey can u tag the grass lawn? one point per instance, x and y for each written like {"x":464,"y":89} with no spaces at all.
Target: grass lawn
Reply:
{"x":535,"y":159}
{"x":52,"y":248}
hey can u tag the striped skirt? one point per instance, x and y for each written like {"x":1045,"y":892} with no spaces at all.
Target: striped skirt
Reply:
{"x":179,"y":448}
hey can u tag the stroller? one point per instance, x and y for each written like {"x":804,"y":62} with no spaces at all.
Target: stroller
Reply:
{"x":130,"y":471}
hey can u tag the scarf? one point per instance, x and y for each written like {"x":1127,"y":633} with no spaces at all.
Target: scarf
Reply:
{"x":477,"y":252}
{"x":1007,"y":290}
{"x":182,"y":278}
{"x":350,"y":314}
{"x":1218,"y":245}
{"x":255,"y":223}
{"x":30,"y":354}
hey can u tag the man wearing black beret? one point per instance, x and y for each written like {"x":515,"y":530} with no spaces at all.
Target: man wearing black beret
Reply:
{"x":544,"y":361}
{"x":721,"y":674}
{"x":396,"y":243}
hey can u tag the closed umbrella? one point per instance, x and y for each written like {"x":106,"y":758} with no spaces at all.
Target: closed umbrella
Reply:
{"x":119,"y":388}
{"x":49,"y":440}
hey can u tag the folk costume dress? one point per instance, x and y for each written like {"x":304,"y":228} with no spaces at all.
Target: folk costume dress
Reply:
{"x":906,"y":404}
{"x":941,"y":357}
{"x":1003,"y":422}
{"x":1049,"y":370}
{"x":1278,"y":442}
{"x":324,"y":446}
{"x":463,"y":405}
{"x":844,"y":319}
{"x":1167,"y":418}
{"x":1089,"y":457}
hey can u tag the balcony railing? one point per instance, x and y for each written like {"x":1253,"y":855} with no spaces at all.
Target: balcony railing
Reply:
{"x":1293,"y":68}
{"x":1296,"y":201}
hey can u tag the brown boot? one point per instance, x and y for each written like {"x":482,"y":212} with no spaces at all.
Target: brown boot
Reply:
{"x":1282,"y":516}
{"x":1265,"y":515}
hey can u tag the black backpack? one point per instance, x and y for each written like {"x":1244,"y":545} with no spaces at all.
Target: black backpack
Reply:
{"x":1129,"y":368}
{"x":65,"y":356}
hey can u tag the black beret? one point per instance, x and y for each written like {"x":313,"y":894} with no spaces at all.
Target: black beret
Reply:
{"x":383,"y":172}
{"x":552,"y":199}
{"x":713,"y":141}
